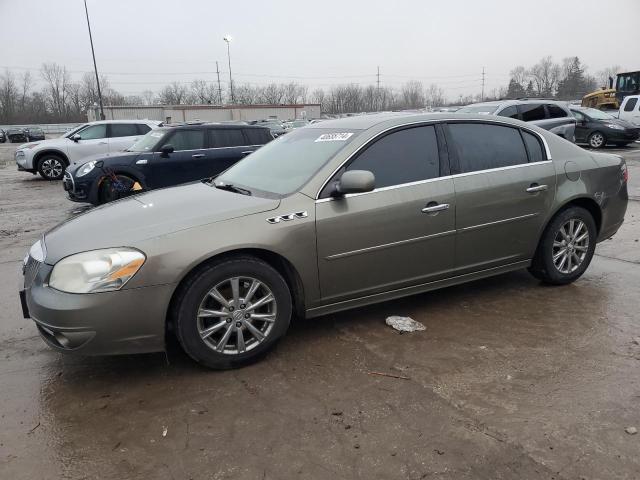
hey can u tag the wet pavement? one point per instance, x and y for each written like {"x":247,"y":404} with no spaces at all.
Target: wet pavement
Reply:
{"x":510,"y":380}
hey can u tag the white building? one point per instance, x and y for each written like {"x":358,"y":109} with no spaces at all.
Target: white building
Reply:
{"x":206,"y":113}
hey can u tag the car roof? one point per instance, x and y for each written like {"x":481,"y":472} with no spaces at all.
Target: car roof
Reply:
{"x":125,"y":121}
{"x":209,"y":126}
{"x":364,"y":122}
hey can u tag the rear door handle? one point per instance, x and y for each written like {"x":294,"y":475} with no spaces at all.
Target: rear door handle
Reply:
{"x":432,"y":207}
{"x":197,"y":155}
{"x":535,"y":188}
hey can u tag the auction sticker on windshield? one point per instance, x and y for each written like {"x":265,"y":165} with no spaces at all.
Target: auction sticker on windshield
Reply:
{"x":334,"y":137}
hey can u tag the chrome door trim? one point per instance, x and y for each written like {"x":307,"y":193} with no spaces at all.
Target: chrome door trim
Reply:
{"x":434,"y":122}
{"x":419,"y":182}
{"x":537,"y":188}
{"x":388,"y":245}
{"x":436,"y":208}
{"x":498,"y":222}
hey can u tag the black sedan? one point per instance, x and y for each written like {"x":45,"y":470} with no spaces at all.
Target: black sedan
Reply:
{"x":34,"y":134}
{"x":3,"y":136}
{"x":597,"y":128}
{"x":164,"y":157}
{"x":17,"y":135}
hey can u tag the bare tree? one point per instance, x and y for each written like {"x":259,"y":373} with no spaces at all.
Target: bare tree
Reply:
{"x":434,"y":96}
{"x":204,"y":92}
{"x":148,"y":97}
{"x":413,"y":94}
{"x":8,"y":96}
{"x":272,"y":94}
{"x":174,"y":94}
{"x":57,"y":81}
{"x":546,"y":75}
{"x":26,"y":81}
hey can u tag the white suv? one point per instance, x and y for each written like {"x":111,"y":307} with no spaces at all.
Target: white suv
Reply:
{"x":50,"y":157}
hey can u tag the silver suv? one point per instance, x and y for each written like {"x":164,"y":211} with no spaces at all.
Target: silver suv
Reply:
{"x":548,"y":114}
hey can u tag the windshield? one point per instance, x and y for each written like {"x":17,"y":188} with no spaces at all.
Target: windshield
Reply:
{"x":597,"y":114}
{"x":481,"y":109}
{"x":150,"y":140}
{"x":286,"y":164}
{"x":299,"y":123}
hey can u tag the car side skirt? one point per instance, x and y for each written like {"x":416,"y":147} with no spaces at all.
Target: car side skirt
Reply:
{"x":413,"y":290}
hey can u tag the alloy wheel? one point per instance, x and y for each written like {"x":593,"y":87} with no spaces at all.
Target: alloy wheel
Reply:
{"x":570,"y":246}
{"x":596,"y":140}
{"x":236,"y":315}
{"x":52,"y":167}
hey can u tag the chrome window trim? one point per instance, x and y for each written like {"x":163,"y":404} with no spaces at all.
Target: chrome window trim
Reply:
{"x":435,"y":122}
{"x":211,"y":148}
{"x":429,"y":180}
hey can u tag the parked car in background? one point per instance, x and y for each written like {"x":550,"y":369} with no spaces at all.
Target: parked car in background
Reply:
{"x":597,"y":128}
{"x":548,"y":114}
{"x":630,"y":109}
{"x":163,"y":157}
{"x":34,"y":134}
{"x":332,"y":216}
{"x":16,"y":135}
{"x":292,"y":125}
{"x":3,"y":136}
{"x":51,"y":157}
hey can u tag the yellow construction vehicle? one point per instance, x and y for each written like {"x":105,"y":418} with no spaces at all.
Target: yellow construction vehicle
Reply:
{"x":627,"y":83}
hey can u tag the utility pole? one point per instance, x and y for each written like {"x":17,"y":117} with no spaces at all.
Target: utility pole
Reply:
{"x":482,"y":97}
{"x":95,"y":67}
{"x":219,"y":89}
{"x":228,"y":39}
{"x":378,"y":91}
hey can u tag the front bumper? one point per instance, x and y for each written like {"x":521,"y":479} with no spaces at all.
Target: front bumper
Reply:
{"x":629,"y":135}
{"x":111,"y":323}
{"x":24,"y":160}
{"x":79,"y":189}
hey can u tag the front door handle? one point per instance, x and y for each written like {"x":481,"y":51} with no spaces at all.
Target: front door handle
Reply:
{"x":197,"y":155}
{"x":535,"y":188}
{"x":433,"y":207}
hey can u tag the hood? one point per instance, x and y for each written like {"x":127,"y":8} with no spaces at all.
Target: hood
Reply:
{"x":122,"y":155}
{"x":622,"y":123}
{"x":51,"y":142}
{"x":127,"y":222}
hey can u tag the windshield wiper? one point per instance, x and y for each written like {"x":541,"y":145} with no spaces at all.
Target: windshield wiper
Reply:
{"x":232,"y":188}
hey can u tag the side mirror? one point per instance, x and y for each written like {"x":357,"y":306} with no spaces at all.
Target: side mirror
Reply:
{"x":76,"y":138}
{"x":165,"y":150}
{"x":355,"y":181}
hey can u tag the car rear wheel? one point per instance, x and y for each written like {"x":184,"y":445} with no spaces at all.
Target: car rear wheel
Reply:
{"x":121,"y":186}
{"x":51,"y":167}
{"x":597,"y":140}
{"x":566,"y":247}
{"x":231,"y":313}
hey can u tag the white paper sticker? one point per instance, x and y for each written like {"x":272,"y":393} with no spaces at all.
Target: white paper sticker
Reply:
{"x":334,"y":137}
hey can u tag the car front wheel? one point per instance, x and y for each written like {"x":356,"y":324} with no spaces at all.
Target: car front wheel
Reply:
{"x":231,"y":313}
{"x":597,"y":140}
{"x":566,"y":247}
{"x":51,"y":167}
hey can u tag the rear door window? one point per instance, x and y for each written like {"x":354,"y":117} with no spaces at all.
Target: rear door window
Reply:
{"x":534,"y":147}
{"x":482,"y":146}
{"x":532,"y":111}
{"x":555,"y":111}
{"x":404,"y":156}
{"x":226,"y":137}
{"x":186,"y":140}
{"x":257,"y":136}
{"x":631,"y":104}
{"x":510,"y":112}
{"x":123,"y":130}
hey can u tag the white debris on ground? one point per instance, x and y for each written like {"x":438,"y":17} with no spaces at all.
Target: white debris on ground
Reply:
{"x":404,"y":324}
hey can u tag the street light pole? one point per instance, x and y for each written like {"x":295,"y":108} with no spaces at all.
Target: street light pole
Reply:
{"x":228,"y":39}
{"x":95,"y":67}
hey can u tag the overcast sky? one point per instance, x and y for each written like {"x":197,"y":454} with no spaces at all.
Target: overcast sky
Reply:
{"x":144,"y":44}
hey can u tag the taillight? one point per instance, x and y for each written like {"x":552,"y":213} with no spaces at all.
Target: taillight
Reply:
{"x":625,"y":172}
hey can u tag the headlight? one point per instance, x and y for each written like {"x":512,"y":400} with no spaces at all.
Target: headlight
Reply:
{"x":86,"y":168}
{"x":96,"y":271}
{"x":614,"y":126}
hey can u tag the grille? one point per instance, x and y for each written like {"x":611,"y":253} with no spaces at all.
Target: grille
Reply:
{"x":30,"y":271}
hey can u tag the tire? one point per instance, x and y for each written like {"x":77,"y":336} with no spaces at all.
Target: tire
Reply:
{"x":109,"y":191}
{"x":216,"y":339}
{"x":555,"y":268}
{"x":51,"y":167}
{"x":597,"y":140}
